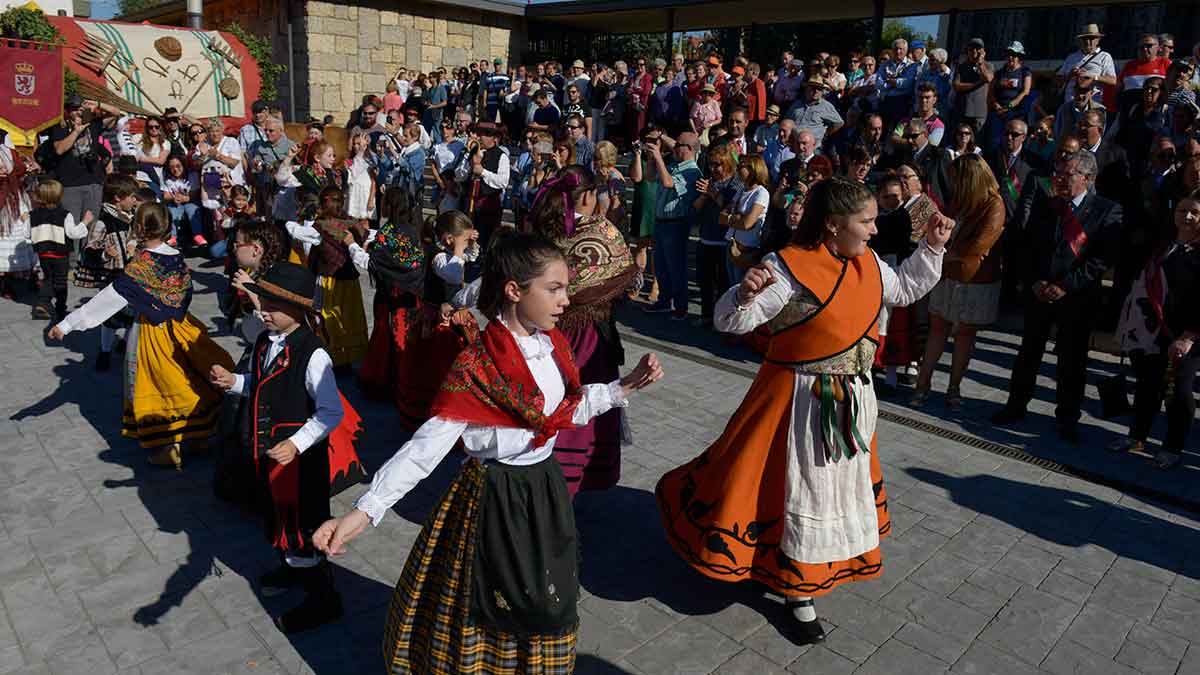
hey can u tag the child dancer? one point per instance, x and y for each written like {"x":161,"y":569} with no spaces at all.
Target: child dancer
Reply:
{"x":491,"y":583}
{"x":343,"y":319}
{"x":292,"y":403}
{"x":50,"y":226}
{"x":439,"y":333}
{"x":109,"y":247}
{"x":167,"y":400}
{"x":396,"y":262}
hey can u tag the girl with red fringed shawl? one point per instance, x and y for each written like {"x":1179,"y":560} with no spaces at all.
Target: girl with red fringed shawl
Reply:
{"x":495,"y":569}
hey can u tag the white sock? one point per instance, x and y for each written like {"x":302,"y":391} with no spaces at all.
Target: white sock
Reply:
{"x":891,"y":376}
{"x":802,"y":608}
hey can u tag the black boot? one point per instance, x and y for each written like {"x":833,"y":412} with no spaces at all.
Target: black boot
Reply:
{"x":322,"y":605}
{"x":279,"y":580}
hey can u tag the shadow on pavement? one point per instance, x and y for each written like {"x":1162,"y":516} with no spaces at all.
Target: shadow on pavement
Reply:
{"x":1071,"y":520}
{"x":225,"y":542}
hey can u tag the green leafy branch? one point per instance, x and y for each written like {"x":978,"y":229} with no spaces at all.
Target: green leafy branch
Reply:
{"x":263,"y":54}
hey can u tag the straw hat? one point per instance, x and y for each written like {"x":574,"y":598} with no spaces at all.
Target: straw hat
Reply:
{"x":816,"y":81}
{"x":1090,"y":30}
{"x":708,"y":89}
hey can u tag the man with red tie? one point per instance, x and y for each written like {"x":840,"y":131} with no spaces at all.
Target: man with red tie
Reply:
{"x":736,"y":122}
{"x":1070,"y":232}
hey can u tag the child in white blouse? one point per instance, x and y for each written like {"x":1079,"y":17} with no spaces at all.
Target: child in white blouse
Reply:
{"x":524,"y":292}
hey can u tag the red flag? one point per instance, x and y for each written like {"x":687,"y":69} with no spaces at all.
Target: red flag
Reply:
{"x":31,"y":86}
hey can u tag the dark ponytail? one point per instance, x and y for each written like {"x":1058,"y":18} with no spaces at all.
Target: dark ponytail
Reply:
{"x":832,"y":197}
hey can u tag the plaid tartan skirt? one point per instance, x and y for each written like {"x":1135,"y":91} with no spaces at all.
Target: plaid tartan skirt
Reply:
{"x":430,"y":629}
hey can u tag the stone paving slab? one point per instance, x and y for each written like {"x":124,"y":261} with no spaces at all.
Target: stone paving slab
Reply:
{"x":994,"y":566}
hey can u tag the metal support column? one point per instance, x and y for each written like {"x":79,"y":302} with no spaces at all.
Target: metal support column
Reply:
{"x":877,"y":27}
{"x":195,"y":14}
{"x":950,"y":45}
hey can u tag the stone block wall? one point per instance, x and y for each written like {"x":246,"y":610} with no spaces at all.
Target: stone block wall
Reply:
{"x":349,"y":50}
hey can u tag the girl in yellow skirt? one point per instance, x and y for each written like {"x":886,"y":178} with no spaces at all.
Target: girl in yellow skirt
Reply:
{"x":167,"y":398}
{"x":343,"y":319}
{"x":492,"y":581}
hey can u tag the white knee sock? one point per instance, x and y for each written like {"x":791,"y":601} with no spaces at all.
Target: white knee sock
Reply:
{"x":802,"y":608}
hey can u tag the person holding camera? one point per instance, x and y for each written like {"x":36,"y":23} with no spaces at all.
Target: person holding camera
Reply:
{"x":78,"y":159}
{"x":484,"y":171}
{"x":972,"y":82}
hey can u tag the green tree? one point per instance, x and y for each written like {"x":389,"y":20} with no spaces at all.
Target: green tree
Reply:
{"x":22,"y":23}
{"x":610,"y":48}
{"x":894,"y":29}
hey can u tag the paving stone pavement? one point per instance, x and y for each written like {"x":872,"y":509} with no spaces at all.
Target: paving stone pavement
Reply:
{"x":994,"y":566}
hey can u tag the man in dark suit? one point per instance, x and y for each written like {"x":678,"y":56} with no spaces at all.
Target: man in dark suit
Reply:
{"x":1013,"y":167}
{"x":1112,"y":179}
{"x":1070,"y":231}
{"x":927,"y":157}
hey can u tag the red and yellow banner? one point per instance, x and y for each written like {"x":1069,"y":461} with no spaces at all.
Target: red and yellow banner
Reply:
{"x":31,"y":87}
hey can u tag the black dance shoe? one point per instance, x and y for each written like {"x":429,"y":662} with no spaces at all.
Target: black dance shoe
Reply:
{"x":802,"y":633}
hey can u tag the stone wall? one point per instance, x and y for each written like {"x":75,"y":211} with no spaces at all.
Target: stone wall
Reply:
{"x":348,"y":50}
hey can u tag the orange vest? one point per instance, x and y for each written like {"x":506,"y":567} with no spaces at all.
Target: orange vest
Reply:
{"x":851,"y":293}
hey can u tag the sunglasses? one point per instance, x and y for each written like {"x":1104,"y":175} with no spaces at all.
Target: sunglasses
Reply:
{"x":574,"y":126}
{"x":1014,"y":134}
{"x":1148,"y":45}
{"x":1153,"y":88}
{"x":153,"y":126}
{"x":911,"y":137}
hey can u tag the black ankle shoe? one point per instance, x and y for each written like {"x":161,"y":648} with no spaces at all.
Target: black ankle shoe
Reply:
{"x":103,"y":362}
{"x":278,"y":581}
{"x":802,"y":633}
{"x":1068,"y":432}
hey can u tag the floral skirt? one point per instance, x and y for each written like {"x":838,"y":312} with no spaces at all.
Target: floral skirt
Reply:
{"x":167,"y":395}
{"x":431,"y":628}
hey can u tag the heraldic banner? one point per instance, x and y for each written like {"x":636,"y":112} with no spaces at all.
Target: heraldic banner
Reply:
{"x":31,"y":87}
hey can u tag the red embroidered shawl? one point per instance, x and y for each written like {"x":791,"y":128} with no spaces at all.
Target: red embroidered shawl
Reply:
{"x":490,"y":384}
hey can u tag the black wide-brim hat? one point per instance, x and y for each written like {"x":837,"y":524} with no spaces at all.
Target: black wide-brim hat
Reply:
{"x":290,"y":283}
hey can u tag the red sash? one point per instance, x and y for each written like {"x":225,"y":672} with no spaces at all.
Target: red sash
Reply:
{"x":490,"y":384}
{"x":1072,"y":230}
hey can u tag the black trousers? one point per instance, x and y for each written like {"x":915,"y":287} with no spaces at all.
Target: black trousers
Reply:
{"x":54,"y":284}
{"x":1151,"y":373}
{"x":712,"y":275}
{"x":1074,"y":315}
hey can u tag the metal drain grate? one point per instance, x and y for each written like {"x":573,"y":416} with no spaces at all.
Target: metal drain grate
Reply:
{"x":968,"y":440}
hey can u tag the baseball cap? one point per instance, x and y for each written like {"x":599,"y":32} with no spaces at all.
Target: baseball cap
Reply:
{"x":917,"y":44}
{"x":975,"y":42}
{"x":73,"y":101}
{"x":170,"y":112}
{"x":259,"y":106}
{"x":497,"y":61}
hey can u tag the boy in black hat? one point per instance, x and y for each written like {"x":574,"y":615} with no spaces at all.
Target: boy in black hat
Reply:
{"x":292,"y":406}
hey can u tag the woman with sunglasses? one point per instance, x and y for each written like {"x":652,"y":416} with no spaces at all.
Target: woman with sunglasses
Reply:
{"x":153,"y":148}
{"x":637,"y":94}
{"x":963,"y":142}
{"x":1009,"y":93}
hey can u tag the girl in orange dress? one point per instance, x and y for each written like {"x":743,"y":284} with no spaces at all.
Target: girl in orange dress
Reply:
{"x":791,"y":494}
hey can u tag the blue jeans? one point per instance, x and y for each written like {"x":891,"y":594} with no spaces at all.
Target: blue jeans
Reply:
{"x":191,"y":212}
{"x":670,"y":261}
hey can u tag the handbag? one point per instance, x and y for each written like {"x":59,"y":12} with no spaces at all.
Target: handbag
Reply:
{"x":743,"y":256}
{"x":1114,"y":400}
